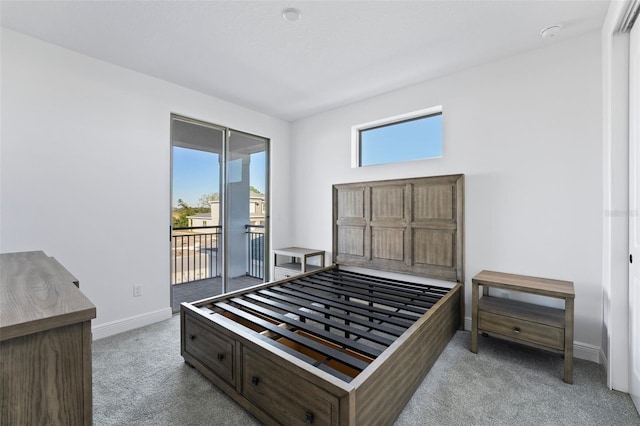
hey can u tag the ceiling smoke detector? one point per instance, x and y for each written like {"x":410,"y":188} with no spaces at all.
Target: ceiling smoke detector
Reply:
{"x":550,"y":32}
{"x":291,"y":14}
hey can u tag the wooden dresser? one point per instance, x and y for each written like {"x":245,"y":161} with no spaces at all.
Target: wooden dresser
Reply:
{"x":534,"y":325}
{"x":45,"y":343}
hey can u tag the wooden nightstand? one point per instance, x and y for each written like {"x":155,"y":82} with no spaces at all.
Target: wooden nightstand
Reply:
{"x":292,"y":261}
{"x":534,"y":325}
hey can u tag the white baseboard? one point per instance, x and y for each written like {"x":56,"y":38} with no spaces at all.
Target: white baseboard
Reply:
{"x":120,"y":326}
{"x":580,"y":350}
{"x":586,"y":351}
{"x":467,"y":323}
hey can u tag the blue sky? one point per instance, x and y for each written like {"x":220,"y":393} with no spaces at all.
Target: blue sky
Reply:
{"x":410,"y":140}
{"x":196,"y":173}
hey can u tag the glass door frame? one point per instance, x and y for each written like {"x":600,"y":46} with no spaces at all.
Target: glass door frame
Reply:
{"x":224,"y":192}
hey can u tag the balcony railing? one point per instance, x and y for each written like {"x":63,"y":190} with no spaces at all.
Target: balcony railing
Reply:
{"x":195,"y":253}
{"x":255,"y":260}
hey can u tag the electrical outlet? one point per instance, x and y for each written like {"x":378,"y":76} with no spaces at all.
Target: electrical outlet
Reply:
{"x":137,"y":290}
{"x":503,"y":294}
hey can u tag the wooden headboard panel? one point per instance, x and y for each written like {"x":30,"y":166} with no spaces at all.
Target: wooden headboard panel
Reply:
{"x":413,"y":226}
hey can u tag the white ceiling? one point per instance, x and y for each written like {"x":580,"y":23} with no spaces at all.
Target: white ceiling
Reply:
{"x":339,"y":52}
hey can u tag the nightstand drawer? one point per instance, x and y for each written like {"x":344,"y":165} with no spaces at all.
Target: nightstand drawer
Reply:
{"x":521,"y":330}
{"x":284,"y":273}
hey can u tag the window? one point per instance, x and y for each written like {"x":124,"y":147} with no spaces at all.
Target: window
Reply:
{"x":412,"y":136}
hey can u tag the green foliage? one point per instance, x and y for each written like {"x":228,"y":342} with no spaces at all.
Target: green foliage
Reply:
{"x":180,"y":214}
{"x":254,"y":189}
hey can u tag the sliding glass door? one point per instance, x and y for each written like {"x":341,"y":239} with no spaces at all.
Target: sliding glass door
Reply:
{"x":245,"y":208}
{"x":219,"y":209}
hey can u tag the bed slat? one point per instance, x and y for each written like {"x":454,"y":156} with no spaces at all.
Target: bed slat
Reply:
{"x":344,"y":342}
{"x":398,"y":296}
{"x":355,"y":319}
{"x":317,"y":318}
{"x":369,"y":311}
{"x":361,"y":296}
{"x":323,"y":349}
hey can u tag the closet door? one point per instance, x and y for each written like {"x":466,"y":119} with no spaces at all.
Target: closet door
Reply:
{"x":634,"y":215}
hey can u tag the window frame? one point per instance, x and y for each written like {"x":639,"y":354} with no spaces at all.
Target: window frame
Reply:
{"x":396,"y":119}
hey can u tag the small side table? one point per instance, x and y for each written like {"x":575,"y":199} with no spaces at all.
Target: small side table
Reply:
{"x":534,"y":325}
{"x":291,"y":261}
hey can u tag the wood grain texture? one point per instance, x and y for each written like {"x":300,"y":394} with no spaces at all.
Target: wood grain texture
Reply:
{"x":351,"y":204}
{"x":568,"y":341}
{"x":387,"y":244}
{"x":288,"y":398}
{"x":352,"y":241}
{"x":291,"y":390}
{"x":528,"y":284}
{"x":385,"y":387}
{"x":527,"y":311}
{"x":434,"y":202}
{"x":35,"y":297}
{"x":412,"y":226}
{"x":40,"y":378}
{"x":525,"y":323}
{"x":246,"y":340}
{"x":213,"y":349}
{"x":434,"y":247}
{"x":45,"y":361}
{"x":387,"y":202}
{"x":517,"y":329}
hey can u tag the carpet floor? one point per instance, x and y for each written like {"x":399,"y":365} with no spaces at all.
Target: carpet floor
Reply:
{"x":139,"y":378}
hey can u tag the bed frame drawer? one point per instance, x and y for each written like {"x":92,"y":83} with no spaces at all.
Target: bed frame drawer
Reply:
{"x":214,"y":350}
{"x":521,"y":330}
{"x":288,"y":398}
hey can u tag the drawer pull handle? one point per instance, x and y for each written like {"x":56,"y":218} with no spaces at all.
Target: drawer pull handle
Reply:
{"x":220,"y":357}
{"x":516,"y":330}
{"x":192,"y":337}
{"x":308,"y":417}
{"x":255,"y":380}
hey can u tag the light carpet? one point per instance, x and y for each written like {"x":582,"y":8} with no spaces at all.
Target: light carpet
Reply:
{"x":139,"y":378}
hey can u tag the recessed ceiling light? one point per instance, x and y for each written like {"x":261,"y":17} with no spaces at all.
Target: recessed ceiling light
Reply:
{"x":550,"y":32}
{"x":291,"y":14}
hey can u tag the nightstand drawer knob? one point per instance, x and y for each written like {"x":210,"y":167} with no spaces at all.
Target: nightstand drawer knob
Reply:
{"x":255,"y":380}
{"x":220,"y":357}
{"x":516,"y":330}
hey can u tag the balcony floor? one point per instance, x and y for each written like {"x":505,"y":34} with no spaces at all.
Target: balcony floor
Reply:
{"x":202,"y":289}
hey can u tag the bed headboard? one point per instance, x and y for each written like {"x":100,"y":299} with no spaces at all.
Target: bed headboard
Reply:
{"x":413,"y":226}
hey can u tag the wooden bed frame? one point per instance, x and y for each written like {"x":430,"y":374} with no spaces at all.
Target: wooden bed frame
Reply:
{"x":336,"y":346}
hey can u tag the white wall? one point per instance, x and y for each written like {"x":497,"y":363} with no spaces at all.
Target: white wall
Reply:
{"x":85,"y":161}
{"x":526,"y":132}
{"x":85,"y":169}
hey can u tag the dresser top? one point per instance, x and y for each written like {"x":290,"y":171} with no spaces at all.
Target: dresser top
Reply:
{"x":37,"y":294}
